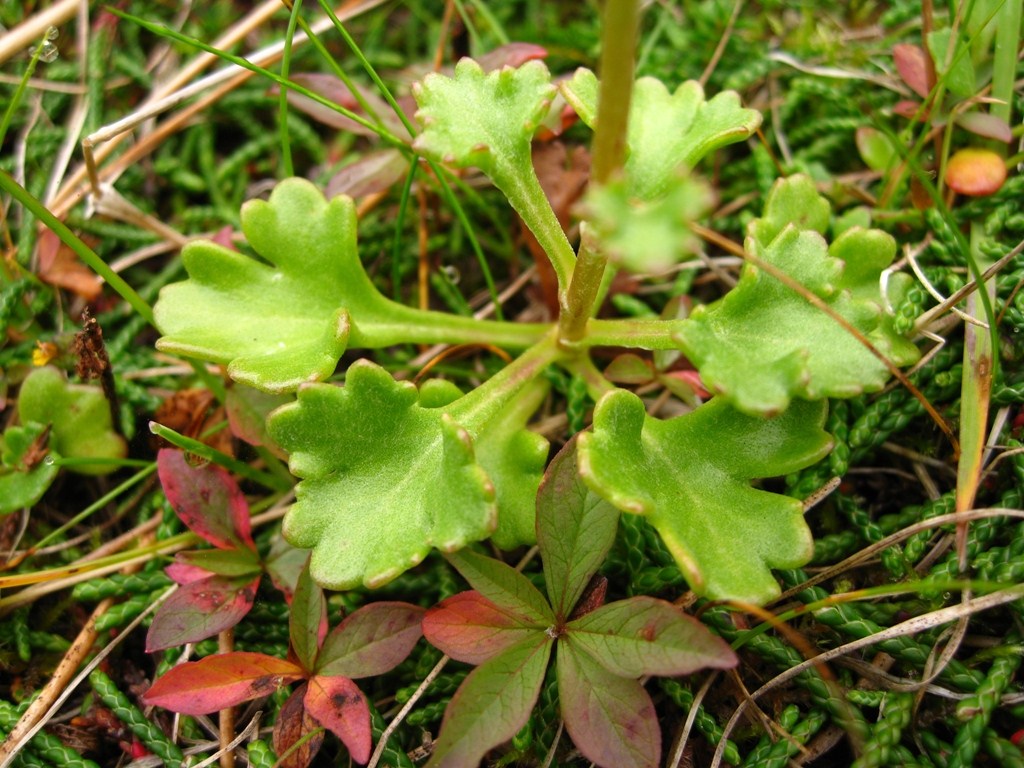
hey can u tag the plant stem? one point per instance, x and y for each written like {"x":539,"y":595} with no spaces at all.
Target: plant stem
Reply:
{"x":618,"y":47}
{"x":409,"y":325}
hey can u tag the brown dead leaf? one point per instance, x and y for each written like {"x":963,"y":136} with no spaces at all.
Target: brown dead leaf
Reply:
{"x":59,"y":266}
{"x":192,"y":412}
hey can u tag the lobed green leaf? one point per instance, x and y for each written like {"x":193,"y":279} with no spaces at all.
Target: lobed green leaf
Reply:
{"x":691,"y":476}
{"x":763,"y":343}
{"x":370,"y":503}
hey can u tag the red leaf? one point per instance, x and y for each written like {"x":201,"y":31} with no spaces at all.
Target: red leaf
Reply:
{"x":371,"y":641}
{"x":912,"y":64}
{"x":206,"y":499}
{"x":339,"y":705}
{"x":183,"y":573}
{"x":372,"y":173}
{"x":201,"y":609}
{"x":293,"y":724}
{"x":470,"y":628}
{"x":220,"y":681}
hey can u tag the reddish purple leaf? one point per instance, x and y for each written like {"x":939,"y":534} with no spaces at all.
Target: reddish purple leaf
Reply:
{"x":470,"y":628}
{"x":373,"y":640}
{"x":986,"y":125}
{"x":492,"y":704}
{"x":201,"y":609}
{"x":284,"y":563}
{"x":646,"y":636}
{"x":510,"y":55}
{"x":333,"y":89}
{"x":183,"y":573}
{"x":293,"y":725}
{"x":206,"y":499}
{"x":912,"y":64}
{"x":247,"y":410}
{"x":220,"y":681}
{"x":372,"y":173}
{"x":339,"y":705}
{"x":611,"y":719}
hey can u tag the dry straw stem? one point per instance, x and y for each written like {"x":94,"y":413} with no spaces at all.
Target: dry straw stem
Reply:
{"x":176,"y":90}
{"x":32,"y":29}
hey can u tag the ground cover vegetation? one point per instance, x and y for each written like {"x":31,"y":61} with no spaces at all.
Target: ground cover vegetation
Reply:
{"x":464,"y":383}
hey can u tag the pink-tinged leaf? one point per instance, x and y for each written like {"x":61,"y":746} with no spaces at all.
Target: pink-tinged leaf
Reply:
{"x":629,"y":368}
{"x":220,"y":681}
{"x":912,"y":64}
{"x":206,"y":499}
{"x":492,"y":704}
{"x":284,"y":563}
{"x":575,"y":530}
{"x":293,"y":725}
{"x":232,"y":563}
{"x":307,"y":623}
{"x":225,"y":236}
{"x":339,"y":705}
{"x":510,"y":55}
{"x":504,"y":586}
{"x":909,"y":109}
{"x":372,"y":173}
{"x":645,"y":636}
{"x":611,"y":719}
{"x":985,"y":125}
{"x":183,"y":573}
{"x":371,"y":641}
{"x":247,"y":411}
{"x":975,"y":172}
{"x":333,"y":89}
{"x":470,"y":628}
{"x":201,"y":609}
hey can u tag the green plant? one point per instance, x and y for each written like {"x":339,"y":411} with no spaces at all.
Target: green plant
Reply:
{"x":388,"y":472}
{"x":510,"y":630}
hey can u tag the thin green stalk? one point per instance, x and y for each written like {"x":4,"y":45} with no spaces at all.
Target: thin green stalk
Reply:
{"x":97,"y":505}
{"x":282,"y":115}
{"x":396,"y":245}
{"x":71,"y":240}
{"x":618,"y":48}
{"x":273,"y":482}
{"x":368,"y":67}
{"x":15,"y":101}
{"x":158,"y":29}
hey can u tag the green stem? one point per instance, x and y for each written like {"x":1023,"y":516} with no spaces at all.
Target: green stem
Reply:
{"x":71,"y":240}
{"x":401,"y":324}
{"x":478,"y":408}
{"x":1004,"y":59}
{"x":273,"y":482}
{"x":637,"y":333}
{"x":518,"y":182}
{"x":618,"y":48}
